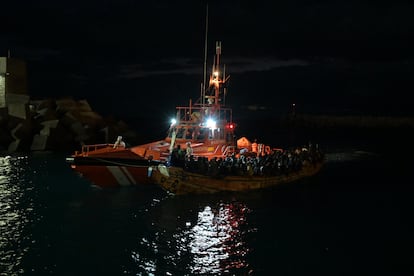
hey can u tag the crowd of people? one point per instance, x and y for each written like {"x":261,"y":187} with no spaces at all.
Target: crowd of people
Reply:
{"x":276,"y":162}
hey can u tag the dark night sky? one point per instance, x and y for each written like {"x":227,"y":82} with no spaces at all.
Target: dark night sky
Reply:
{"x":134,"y":58}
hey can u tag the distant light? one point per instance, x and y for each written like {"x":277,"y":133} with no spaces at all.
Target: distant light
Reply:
{"x":173,"y":121}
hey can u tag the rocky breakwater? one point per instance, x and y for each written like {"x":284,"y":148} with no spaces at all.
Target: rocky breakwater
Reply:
{"x":59,"y":125}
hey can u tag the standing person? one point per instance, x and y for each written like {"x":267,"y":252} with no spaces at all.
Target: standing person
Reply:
{"x":174,"y":156}
{"x":181,"y":156}
{"x":188,"y":151}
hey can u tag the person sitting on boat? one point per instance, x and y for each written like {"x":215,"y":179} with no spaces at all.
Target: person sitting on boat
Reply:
{"x":119,"y":143}
{"x":188,"y":151}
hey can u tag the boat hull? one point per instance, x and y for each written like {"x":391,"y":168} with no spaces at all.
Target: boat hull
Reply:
{"x":110,"y":172}
{"x":108,"y":166}
{"x":114,"y":176}
{"x":178,"y":181}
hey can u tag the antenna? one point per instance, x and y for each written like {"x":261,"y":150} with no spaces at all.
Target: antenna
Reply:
{"x":225,"y":89}
{"x":216,"y":68}
{"x":203,"y":92}
{"x":8,"y":53}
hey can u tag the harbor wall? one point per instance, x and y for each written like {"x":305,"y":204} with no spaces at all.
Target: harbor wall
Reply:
{"x":60,"y":125}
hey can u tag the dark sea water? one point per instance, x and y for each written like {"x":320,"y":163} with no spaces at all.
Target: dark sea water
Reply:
{"x":353,"y":218}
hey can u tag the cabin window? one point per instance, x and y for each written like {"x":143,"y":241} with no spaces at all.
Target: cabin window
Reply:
{"x":229,"y":138}
{"x":201,"y":134}
{"x":189,"y":133}
{"x":215,"y":134}
{"x":180,"y":133}
{"x":218,"y":134}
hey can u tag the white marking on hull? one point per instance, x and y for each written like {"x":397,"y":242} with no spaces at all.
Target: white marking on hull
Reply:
{"x":119,"y":175}
{"x":129,"y":175}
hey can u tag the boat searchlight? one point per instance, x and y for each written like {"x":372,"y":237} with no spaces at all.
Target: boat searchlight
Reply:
{"x":173,"y":122}
{"x":211,"y":123}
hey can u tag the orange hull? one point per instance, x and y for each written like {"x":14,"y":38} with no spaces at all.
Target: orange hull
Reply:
{"x":114,"y":176}
{"x":106,"y":166}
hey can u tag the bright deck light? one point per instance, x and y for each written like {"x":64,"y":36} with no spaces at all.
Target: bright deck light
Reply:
{"x":173,"y":121}
{"x":211,"y":123}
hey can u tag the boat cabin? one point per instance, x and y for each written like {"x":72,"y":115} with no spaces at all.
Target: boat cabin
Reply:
{"x":198,"y":124}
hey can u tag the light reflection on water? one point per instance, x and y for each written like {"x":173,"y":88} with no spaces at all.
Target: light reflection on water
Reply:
{"x":15,"y":214}
{"x":214,"y":243}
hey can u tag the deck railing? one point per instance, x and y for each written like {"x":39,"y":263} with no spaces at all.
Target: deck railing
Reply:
{"x":88,"y":148}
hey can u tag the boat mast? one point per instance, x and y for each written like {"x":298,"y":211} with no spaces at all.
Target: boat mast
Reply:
{"x":203,"y":89}
{"x":217,"y":74}
{"x":224,"y":89}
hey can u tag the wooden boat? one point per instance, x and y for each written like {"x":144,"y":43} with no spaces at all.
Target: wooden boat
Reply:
{"x":178,"y":181}
{"x":206,"y":124}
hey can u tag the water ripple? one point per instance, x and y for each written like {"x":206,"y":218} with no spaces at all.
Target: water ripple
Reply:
{"x":16,"y":214}
{"x":217,"y":240}
{"x":215,"y":243}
